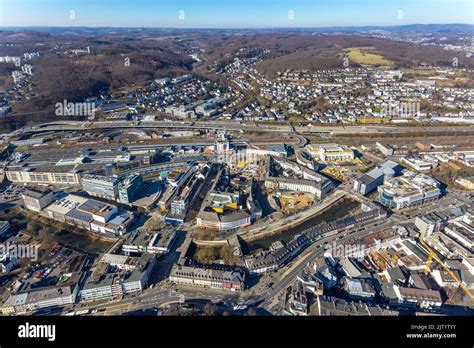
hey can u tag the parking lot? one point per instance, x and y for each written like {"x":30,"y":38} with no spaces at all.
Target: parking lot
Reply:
{"x":53,"y":268}
{"x":10,"y":193}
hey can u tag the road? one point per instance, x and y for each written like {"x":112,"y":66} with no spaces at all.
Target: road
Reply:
{"x":260,"y":294}
{"x":62,"y":125}
{"x":271,"y":227}
{"x":313,"y":252}
{"x":164,"y":292}
{"x":289,"y":273}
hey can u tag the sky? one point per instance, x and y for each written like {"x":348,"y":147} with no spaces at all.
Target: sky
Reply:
{"x":233,"y":13}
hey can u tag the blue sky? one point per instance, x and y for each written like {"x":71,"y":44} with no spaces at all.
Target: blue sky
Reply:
{"x":233,"y":13}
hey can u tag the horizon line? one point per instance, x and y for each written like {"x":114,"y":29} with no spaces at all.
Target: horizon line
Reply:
{"x":229,"y":28}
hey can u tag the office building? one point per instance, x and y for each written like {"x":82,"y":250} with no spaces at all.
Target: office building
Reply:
{"x":358,"y":288}
{"x":466,"y":183}
{"x":429,"y":223}
{"x":300,"y":185}
{"x":223,"y":222}
{"x":223,"y":211}
{"x":222,"y":144}
{"x":103,"y":282}
{"x":408,"y":190}
{"x":185,"y":195}
{"x":181,"y":79}
{"x":101,"y":186}
{"x":390,"y":150}
{"x":296,"y":302}
{"x":423,"y":298}
{"x":295,"y":177}
{"x":180,"y":111}
{"x":152,"y":242}
{"x":277,"y":150}
{"x":421,"y":164}
{"x":462,"y":230}
{"x":129,"y":188}
{"x":32,"y":299}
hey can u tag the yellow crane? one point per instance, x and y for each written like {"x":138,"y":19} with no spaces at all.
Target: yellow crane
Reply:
{"x":432,"y":255}
{"x":428,"y":262}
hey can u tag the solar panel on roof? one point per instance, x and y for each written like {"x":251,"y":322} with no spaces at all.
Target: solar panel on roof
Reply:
{"x":92,"y":205}
{"x":79,"y":215}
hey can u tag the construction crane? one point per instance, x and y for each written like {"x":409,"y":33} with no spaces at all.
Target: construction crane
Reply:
{"x":432,"y":255}
{"x":428,"y":262}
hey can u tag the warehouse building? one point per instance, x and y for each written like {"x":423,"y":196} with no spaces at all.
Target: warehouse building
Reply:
{"x":36,"y":200}
{"x":85,"y":213}
{"x":372,"y":179}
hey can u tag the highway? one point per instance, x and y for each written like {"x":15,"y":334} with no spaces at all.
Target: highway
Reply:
{"x":214,"y":125}
{"x":159,"y":296}
{"x":63,"y":125}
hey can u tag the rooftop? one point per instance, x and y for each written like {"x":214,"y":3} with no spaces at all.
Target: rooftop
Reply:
{"x":207,"y":273}
{"x":36,"y":193}
{"x":100,"y":178}
{"x":420,"y":294}
{"x":158,"y":239}
{"x":410,"y":185}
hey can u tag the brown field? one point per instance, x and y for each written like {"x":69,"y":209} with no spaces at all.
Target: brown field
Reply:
{"x":367,"y":56}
